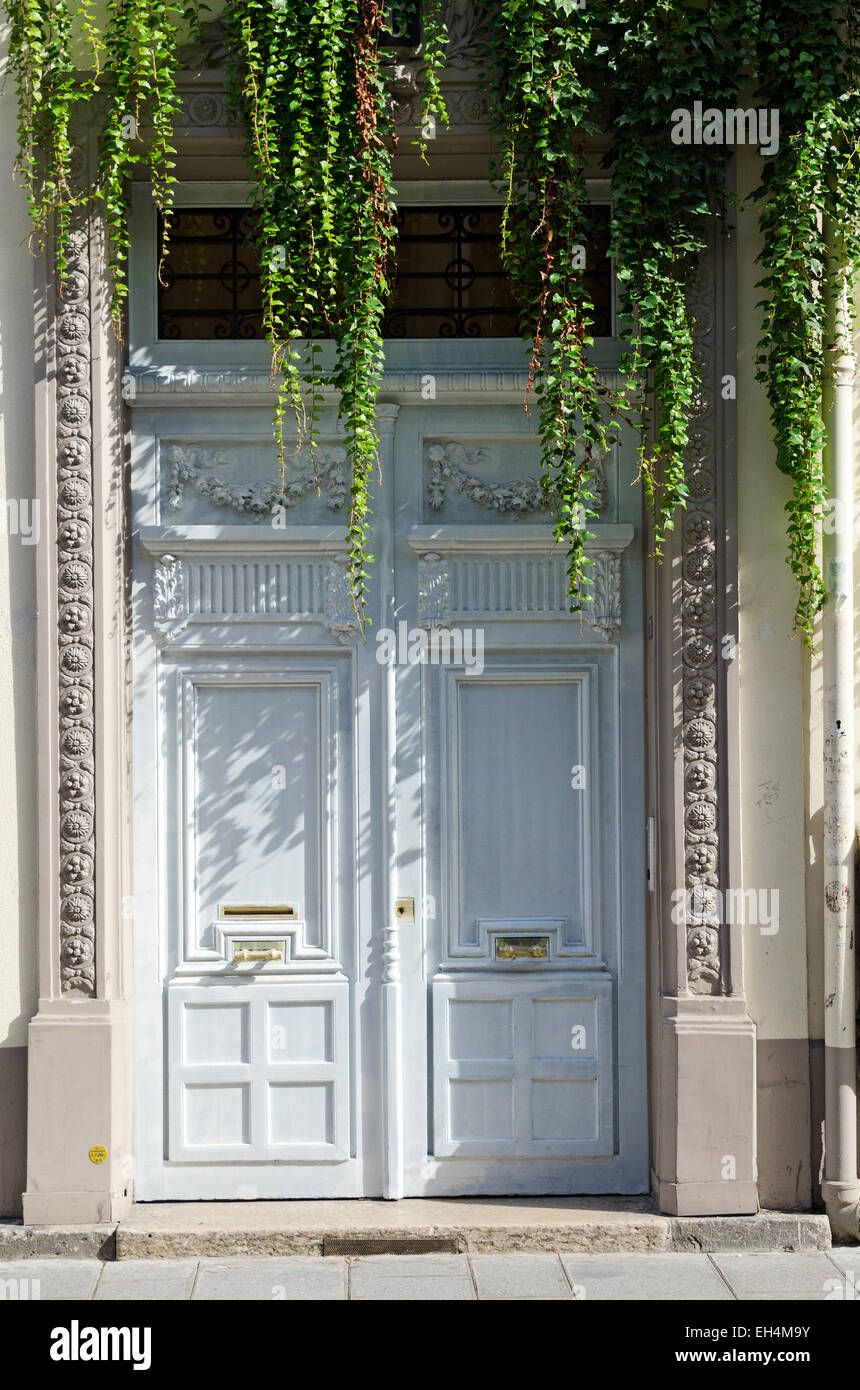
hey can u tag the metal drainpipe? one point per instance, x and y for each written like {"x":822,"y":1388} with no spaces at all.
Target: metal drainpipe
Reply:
{"x":840,"y":1188}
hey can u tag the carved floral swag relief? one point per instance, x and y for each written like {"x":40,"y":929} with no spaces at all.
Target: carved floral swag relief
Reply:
{"x":450,"y":464}
{"x":466,"y":105}
{"x":326,"y":474}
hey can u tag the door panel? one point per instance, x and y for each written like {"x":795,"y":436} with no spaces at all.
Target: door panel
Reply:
{"x":255,"y":795}
{"x":519,"y":831}
{"x":518,"y":836}
{"x":523,"y":1066}
{"x":259,"y":1073}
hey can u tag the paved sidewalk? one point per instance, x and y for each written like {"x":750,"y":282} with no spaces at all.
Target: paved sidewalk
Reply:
{"x":715,"y":1278}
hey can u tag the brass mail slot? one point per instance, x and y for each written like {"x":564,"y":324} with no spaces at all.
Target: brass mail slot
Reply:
{"x":261,"y":910}
{"x":522,"y":947}
{"x":257,"y":950}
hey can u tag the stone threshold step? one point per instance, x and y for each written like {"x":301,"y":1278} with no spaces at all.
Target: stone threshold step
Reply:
{"x":595,"y":1225}
{"x":95,"y":1242}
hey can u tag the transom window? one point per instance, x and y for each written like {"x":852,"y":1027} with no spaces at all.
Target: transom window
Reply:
{"x":450,"y":282}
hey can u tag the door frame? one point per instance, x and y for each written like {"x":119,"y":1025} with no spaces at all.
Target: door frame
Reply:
{"x":701,"y":1045}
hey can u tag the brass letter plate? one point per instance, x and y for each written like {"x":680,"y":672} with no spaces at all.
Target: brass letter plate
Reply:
{"x":522,"y":947}
{"x":261,"y":910}
{"x":257,"y":950}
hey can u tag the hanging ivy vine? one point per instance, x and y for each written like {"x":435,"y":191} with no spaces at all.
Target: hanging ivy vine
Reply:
{"x":545,"y":104}
{"x":563,"y":72}
{"x":657,"y":61}
{"x":129,"y":66}
{"x":808,"y":68}
{"x":309,"y":80}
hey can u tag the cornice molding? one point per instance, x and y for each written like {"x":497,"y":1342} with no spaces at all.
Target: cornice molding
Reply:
{"x":172,"y":385}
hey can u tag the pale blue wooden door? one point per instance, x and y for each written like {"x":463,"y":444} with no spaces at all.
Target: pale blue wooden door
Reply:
{"x":519,"y":817}
{"x":389,"y":893}
{"x":258,"y":712}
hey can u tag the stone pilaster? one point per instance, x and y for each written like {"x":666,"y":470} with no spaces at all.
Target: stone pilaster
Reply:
{"x":703,"y":1063}
{"x":79,"y":1080}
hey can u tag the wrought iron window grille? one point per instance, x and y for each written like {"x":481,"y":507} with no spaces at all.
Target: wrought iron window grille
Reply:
{"x":449,"y":281}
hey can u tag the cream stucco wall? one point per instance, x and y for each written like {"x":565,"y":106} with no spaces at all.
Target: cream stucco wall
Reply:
{"x":20,"y":526}
{"x":17,"y":601}
{"x":775,"y":677}
{"x":773,"y":673}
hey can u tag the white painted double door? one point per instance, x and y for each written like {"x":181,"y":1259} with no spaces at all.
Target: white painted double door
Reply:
{"x":389,"y":893}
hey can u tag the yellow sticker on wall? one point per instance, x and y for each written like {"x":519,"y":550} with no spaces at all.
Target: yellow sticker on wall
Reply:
{"x":98,"y":1153}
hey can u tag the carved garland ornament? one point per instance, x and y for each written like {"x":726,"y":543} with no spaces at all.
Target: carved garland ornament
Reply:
{"x":75,"y":619}
{"x":207,"y":108}
{"x":188,"y":464}
{"x":701,"y":656}
{"x":448,"y":465}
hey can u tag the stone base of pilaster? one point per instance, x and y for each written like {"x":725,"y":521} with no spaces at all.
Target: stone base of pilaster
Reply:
{"x":705,"y":1143}
{"x":79,"y":1105}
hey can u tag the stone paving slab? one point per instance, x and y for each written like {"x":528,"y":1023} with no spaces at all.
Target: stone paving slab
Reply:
{"x":783,"y":1296}
{"x":169,"y":1281}
{"x":521,"y":1277}
{"x":771,"y":1275}
{"x":52,"y":1280}
{"x":666,"y":1277}
{"x":411,"y":1278}
{"x":846,"y":1256}
{"x":297,"y":1278}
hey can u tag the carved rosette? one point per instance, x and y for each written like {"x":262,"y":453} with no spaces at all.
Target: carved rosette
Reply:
{"x":701,"y":656}
{"x":76,"y":726}
{"x":204,"y":110}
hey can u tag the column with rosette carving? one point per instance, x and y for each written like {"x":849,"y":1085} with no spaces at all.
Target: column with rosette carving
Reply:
{"x":75,"y":584}
{"x":704,"y":1076}
{"x":79,"y":1099}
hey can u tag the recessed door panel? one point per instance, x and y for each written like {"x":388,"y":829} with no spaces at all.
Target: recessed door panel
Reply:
{"x":540,"y":1084}
{"x":259,"y":1072}
{"x":522,"y":831}
{"x":257,"y":799}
